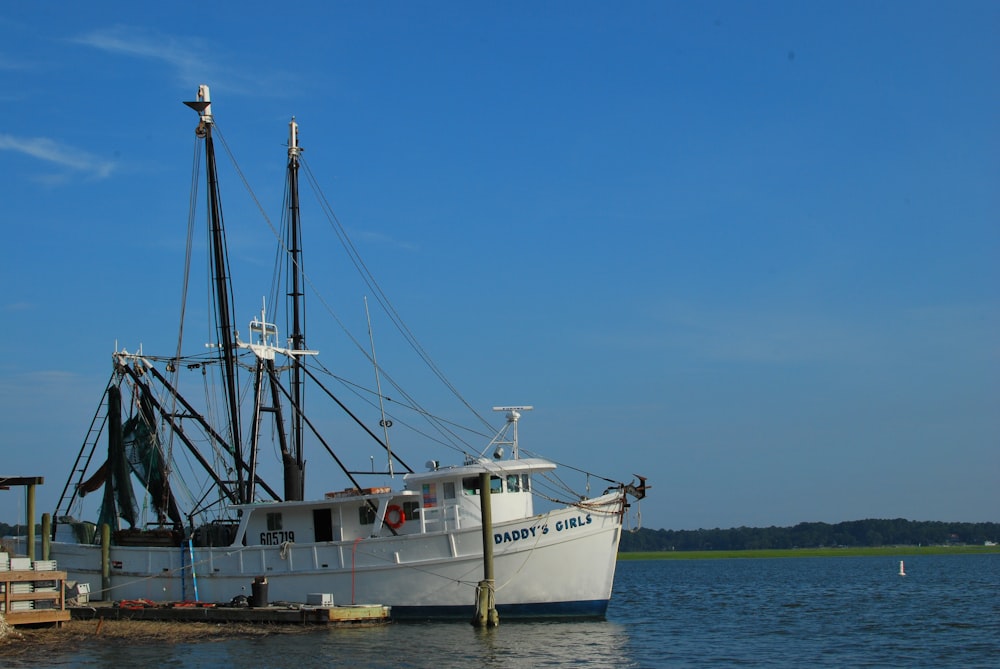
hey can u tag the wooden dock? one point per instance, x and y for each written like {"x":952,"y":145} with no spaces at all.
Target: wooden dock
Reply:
{"x":355,"y":615}
{"x":30,"y":597}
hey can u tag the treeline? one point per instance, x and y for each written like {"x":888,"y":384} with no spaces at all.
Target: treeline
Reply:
{"x":13,"y":530}
{"x":872,"y":532}
{"x":855,"y":533}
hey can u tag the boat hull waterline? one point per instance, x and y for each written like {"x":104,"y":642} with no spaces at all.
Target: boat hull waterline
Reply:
{"x":559,"y":564}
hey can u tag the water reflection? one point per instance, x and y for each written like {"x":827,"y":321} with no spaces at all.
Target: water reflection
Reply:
{"x":538,"y":644}
{"x":777,"y":613}
{"x":512,"y":645}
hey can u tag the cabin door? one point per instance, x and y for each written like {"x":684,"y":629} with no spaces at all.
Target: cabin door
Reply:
{"x":323,"y":524}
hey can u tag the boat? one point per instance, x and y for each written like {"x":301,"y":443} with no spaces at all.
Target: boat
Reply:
{"x":419,"y":547}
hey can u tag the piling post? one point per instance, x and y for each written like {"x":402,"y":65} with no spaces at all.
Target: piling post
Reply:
{"x":31,"y":521}
{"x":46,"y":535}
{"x":486,"y":612}
{"x":105,"y":560}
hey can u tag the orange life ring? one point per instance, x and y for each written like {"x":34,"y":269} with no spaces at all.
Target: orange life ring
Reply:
{"x":400,"y":515}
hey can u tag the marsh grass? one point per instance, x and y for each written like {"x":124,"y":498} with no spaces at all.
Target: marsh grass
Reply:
{"x":27,"y":642}
{"x":811,"y":552}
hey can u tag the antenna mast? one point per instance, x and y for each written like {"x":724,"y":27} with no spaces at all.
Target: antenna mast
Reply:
{"x":295,"y":464}
{"x":385,"y":423}
{"x":513,"y":415}
{"x":220,"y":266}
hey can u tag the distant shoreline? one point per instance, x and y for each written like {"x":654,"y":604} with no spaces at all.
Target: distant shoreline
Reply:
{"x":875,"y":551}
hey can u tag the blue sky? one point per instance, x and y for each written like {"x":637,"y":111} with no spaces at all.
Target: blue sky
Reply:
{"x":749,"y":250}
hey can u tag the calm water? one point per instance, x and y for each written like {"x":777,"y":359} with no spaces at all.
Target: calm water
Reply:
{"x":790,"y":612}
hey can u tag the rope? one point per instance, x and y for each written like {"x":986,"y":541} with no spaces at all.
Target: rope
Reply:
{"x":371,"y":282}
{"x":380,"y":295}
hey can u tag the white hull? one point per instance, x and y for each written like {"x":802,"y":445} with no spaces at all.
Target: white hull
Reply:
{"x":557,"y":564}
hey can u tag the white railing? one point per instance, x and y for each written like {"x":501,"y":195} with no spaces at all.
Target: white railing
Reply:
{"x":440,"y":518}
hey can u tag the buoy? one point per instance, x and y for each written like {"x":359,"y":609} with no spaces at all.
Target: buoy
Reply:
{"x":902,"y":572}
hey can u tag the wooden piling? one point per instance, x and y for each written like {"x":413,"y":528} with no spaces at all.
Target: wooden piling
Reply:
{"x":105,"y":560}
{"x":486,"y":612}
{"x":31,"y":521}
{"x":46,"y":535}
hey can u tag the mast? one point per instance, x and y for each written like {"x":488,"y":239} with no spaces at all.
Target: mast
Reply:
{"x":294,"y":462}
{"x":264,"y":344}
{"x":385,"y":423}
{"x":220,"y":264}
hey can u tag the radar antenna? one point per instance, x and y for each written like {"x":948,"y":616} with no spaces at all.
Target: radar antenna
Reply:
{"x":500,"y":440}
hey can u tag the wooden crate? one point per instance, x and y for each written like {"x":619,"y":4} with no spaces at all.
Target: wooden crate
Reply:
{"x":46,"y":605}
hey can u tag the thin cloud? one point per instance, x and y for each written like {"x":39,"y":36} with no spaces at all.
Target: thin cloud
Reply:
{"x":746,"y":335}
{"x":18,"y":306}
{"x":56,"y":153}
{"x":15,"y":94}
{"x":797,"y":334}
{"x":378,"y":238}
{"x":187,"y":56}
{"x":11,"y":65}
{"x":191,"y":58}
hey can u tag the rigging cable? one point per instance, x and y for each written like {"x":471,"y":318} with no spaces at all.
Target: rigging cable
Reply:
{"x":380,"y":295}
{"x":188,"y":250}
{"x":369,"y":279}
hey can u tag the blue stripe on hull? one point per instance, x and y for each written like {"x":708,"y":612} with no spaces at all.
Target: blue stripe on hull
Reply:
{"x":596,"y":608}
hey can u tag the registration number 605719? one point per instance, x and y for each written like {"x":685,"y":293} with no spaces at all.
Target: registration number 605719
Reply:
{"x":276,"y":538}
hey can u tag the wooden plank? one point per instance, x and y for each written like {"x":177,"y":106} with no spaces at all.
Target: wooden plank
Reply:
{"x":22,"y":575}
{"x":21,"y":480}
{"x":356,"y":612}
{"x":331,"y":616}
{"x":36,"y":616}
{"x":38,"y":595}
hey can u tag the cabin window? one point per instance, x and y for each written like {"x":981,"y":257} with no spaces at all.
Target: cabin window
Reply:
{"x":323,"y":524}
{"x":514,"y":483}
{"x":273,"y":521}
{"x":449,"y":489}
{"x":470,"y":485}
{"x":525,"y":483}
{"x":411,"y":510}
{"x":430,"y":494}
{"x":366,"y":514}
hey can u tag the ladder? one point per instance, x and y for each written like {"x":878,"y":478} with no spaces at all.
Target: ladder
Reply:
{"x":83,"y":458}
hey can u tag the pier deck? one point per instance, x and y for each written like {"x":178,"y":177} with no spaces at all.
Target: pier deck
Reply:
{"x":363,"y":614}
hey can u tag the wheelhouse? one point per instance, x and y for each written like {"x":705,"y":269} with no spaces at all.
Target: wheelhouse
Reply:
{"x":443,"y":499}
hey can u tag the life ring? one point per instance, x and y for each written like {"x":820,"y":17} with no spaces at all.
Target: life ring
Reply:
{"x":400,"y":516}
